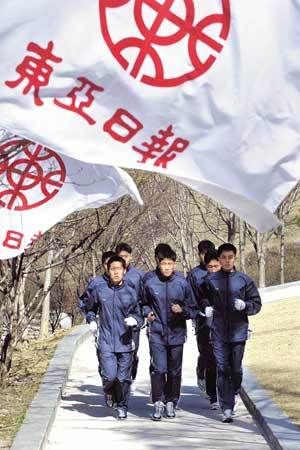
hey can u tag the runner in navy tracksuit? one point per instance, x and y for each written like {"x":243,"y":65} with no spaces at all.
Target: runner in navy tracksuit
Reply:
{"x":204,"y":336}
{"x":159,"y":249}
{"x":134,"y":277}
{"x":230,"y":297}
{"x":84,"y":300}
{"x":118,"y":309}
{"x":167,"y":303}
{"x":205,"y":377}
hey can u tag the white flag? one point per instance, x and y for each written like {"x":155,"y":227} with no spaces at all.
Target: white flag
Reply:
{"x":39,"y":187}
{"x":205,"y":91}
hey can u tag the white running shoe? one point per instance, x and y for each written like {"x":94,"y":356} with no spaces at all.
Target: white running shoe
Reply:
{"x":158,"y":410}
{"x":227,"y":416}
{"x":170,"y":410}
{"x":201,"y":384}
{"x":214,"y":406}
{"x":121,"y":413}
{"x":108,"y":400}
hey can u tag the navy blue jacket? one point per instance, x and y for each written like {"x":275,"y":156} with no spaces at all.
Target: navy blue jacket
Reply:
{"x":195,"y":278}
{"x":99,"y":279}
{"x":85,"y":301}
{"x":158,"y":294}
{"x":113,"y":304}
{"x":134,"y":277}
{"x":220,"y":290}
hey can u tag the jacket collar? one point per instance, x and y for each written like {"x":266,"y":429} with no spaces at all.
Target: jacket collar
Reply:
{"x":162,"y":277}
{"x":228,"y":274}
{"x":113,"y":286}
{"x":105,"y":277}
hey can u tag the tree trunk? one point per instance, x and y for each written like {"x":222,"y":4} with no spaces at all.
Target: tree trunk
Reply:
{"x":94,"y":264}
{"x":261,"y":256}
{"x":44,"y":329}
{"x":21,"y":304}
{"x":10,"y":339}
{"x":282,"y":253}
{"x":231,"y":227}
{"x":6,"y":358}
{"x":242,"y":244}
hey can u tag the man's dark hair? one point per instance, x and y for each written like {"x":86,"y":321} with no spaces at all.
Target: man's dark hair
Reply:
{"x":116,"y":258}
{"x":161,"y":247}
{"x":226,"y":248}
{"x":123,"y":247}
{"x":210,"y":255}
{"x":107,"y":255}
{"x":166,"y":254}
{"x":205,"y":246}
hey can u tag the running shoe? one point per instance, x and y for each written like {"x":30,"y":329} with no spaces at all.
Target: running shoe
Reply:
{"x":201,"y":384}
{"x":227,"y":416}
{"x":158,"y":410}
{"x":170,"y":410}
{"x":108,"y":400}
{"x":214,"y":406}
{"x":121,"y":412}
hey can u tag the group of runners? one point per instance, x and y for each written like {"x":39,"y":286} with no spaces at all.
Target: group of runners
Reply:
{"x":214,"y":295}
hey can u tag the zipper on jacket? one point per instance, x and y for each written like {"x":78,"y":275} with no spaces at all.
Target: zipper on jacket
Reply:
{"x":167,"y":308}
{"x":227,"y":307}
{"x":113,"y":320}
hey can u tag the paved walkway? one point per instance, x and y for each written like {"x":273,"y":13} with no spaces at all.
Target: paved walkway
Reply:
{"x":280,"y":292}
{"x":83,"y":422}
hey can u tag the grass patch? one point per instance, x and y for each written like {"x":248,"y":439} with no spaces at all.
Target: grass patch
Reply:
{"x":274,"y":353}
{"x":292,"y":268}
{"x":30,"y":362}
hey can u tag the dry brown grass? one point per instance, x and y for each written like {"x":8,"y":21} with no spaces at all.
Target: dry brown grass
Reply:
{"x":292,"y":268}
{"x":29,"y":365}
{"x":274,"y":353}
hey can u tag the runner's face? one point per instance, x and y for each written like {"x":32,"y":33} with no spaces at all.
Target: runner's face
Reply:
{"x":167,"y":267}
{"x":126,"y":256}
{"x":116,"y":272}
{"x":227,"y":261}
{"x":213,"y":266}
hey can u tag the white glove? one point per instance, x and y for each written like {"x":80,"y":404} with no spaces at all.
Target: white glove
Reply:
{"x":130,"y":321}
{"x":239,"y":304}
{"x":209,"y":311}
{"x":93,"y":328}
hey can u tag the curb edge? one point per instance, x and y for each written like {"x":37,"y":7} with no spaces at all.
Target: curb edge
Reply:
{"x":280,"y":432}
{"x":34,"y":431}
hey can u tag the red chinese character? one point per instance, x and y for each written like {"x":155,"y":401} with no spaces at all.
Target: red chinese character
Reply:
{"x":178,"y":146}
{"x":158,"y":145}
{"x":36,"y":70}
{"x":87,"y":87}
{"x":13,"y":239}
{"x":124,"y":120}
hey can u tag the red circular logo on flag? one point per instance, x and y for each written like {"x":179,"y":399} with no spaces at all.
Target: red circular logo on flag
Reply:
{"x":30,"y":178}
{"x":165,"y":43}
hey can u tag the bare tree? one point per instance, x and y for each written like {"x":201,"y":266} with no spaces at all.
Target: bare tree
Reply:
{"x":44,"y":328}
{"x":242,"y":244}
{"x":284,"y":213}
